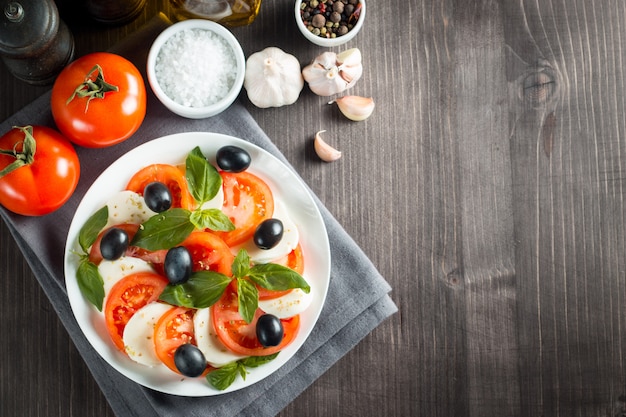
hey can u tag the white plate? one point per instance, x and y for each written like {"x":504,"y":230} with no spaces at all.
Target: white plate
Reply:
{"x":173,"y":149}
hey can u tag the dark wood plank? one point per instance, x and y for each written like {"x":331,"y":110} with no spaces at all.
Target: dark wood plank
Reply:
{"x":567,"y":149}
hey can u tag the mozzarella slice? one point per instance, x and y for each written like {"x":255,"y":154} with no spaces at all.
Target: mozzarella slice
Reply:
{"x":139,"y":334}
{"x":214,"y":351}
{"x":128,"y":207}
{"x":216,"y":202}
{"x":113,"y":271}
{"x":287,"y":243}
{"x":288,"y":305}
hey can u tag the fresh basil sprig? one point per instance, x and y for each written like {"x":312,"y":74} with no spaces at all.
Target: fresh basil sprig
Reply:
{"x":203,"y":179}
{"x":269,"y":276}
{"x":169,"y":228}
{"x":202,"y":289}
{"x":213,"y":219}
{"x":164,"y":230}
{"x":92,"y":227}
{"x":89,"y":280}
{"x":204,"y":183}
{"x":223,"y":377}
{"x":205,"y":288}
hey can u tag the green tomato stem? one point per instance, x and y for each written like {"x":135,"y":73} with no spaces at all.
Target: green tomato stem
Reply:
{"x":24,"y":157}
{"x":92,"y":88}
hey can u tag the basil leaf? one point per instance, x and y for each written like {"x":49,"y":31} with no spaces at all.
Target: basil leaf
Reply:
{"x":255,"y":361}
{"x":203,"y":179}
{"x":241,"y":264}
{"x":92,"y":227}
{"x":213,"y":219}
{"x":223,"y":377}
{"x":277,"y":277}
{"x":248,"y":298}
{"x":90,"y":282}
{"x":203,"y":289}
{"x":164,"y":230}
{"x":242,"y":370}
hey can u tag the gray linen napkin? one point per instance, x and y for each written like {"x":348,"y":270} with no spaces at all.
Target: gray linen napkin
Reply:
{"x":340,"y":326}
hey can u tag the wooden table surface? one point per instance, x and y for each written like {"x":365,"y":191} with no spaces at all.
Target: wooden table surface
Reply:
{"x":488,"y":188}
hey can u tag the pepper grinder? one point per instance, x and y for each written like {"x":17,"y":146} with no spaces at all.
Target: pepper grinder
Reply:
{"x":35,"y":44}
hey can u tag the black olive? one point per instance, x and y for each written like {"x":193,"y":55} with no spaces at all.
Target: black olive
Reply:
{"x":157,"y":196}
{"x":113,"y":244}
{"x":269,"y":330}
{"x":268,"y":233}
{"x":232,"y":159}
{"x":189,"y":360}
{"x":177,"y":265}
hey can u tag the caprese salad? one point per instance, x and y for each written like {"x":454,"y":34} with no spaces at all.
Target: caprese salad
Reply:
{"x":196,"y":267}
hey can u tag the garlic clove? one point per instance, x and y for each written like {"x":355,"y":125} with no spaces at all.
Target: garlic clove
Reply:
{"x":327,"y":60}
{"x":354,"y":107}
{"x":350,"y":74}
{"x":350,"y":66}
{"x":326,"y":152}
{"x":349,"y":57}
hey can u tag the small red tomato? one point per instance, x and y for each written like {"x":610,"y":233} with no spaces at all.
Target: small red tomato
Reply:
{"x":39,"y":170}
{"x":99,"y":100}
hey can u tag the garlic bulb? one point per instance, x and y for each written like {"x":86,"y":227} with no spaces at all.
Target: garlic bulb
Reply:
{"x":273,"y":78}
{"x":326,"y":152}
{"x":354,"y":107}
{"x":332,"y":73}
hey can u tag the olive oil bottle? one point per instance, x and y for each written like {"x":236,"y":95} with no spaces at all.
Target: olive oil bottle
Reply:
{"x":226,"y":12}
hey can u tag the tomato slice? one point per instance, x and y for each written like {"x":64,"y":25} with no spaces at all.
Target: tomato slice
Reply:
{"x":248,"y":201}
{"x":95,"y":255}
{"x":295,"y":261}
{"x":126,"y":297}
{"x":239,"y":336}
{"x":209,"y":252}
{"x":156,"y":258}
{"x":169,"y":175}
{"x":173,"y":329}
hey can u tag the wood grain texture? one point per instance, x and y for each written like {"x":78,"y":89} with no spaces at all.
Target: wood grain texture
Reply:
{"x":487,"y":187}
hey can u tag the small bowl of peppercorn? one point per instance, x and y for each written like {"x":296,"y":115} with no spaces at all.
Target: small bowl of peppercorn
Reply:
{"x":329,"y":22}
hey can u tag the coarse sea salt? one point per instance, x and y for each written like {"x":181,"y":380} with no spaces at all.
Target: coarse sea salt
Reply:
{"x":196,"y":67}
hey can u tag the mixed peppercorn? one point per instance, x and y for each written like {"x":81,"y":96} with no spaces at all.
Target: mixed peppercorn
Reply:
{"x":330,"y":18}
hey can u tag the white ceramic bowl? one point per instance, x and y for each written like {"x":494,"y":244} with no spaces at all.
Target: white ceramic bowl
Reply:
{"x":209,"y":109}
{"x":329,"y":42}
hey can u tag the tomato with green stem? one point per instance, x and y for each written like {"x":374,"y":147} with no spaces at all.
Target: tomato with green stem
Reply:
{"x":99,"y":100}
{"x":39,"y":170}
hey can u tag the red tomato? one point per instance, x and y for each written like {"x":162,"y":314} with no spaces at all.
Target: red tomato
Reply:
{"x":295,"y":261}
{"x":43,"y":184}
{"x":209,"y":252}
{"x":169,"y":175}
{"x":248,"y":201}
{"x":105,"y":117}
{"x":126,"y":297}
{"x":239,"y":336}
{"x":173,"y":329}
